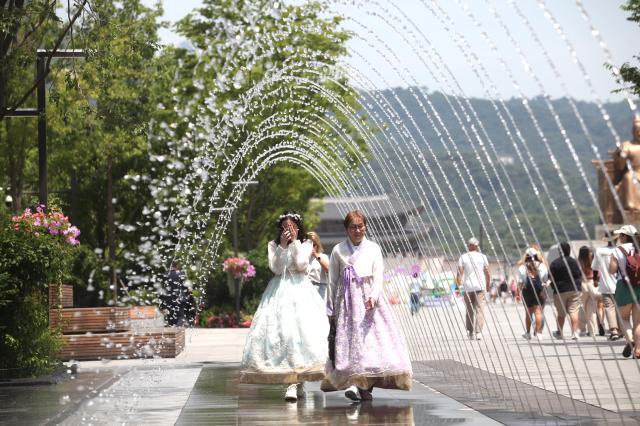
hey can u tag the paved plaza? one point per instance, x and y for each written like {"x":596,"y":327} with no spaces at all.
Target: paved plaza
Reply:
{"x":501,"y":379}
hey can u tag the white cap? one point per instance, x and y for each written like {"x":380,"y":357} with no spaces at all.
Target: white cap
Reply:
{"x":629,"y":230}
{"x":531,"y":252}
{"x":473,"y":241}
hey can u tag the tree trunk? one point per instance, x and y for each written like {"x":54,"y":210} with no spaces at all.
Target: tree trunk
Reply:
{"x":111,"y":231}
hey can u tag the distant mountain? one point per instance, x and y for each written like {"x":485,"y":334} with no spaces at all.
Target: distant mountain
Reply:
{"x":417,"y":142}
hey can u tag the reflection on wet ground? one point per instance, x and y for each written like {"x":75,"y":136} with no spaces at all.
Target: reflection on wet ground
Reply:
{"x":49,"y":404}
{"x":210,"y":394}
{"x":217,"y":398}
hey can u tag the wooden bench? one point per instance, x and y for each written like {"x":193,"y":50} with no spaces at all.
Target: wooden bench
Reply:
{"x":82,"y":320}
{"x":111,"y":332}
{"x":164,"y":342}
{"x":54,"y":296}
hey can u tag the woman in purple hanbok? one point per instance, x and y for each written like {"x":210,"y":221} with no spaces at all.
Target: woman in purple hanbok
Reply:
{"x":369,"y":350}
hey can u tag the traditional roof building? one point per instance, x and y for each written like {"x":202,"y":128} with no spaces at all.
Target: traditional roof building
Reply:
{"x":396,"y":227}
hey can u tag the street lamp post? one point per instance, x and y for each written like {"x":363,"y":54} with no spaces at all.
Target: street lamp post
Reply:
{"x":40,"y":112}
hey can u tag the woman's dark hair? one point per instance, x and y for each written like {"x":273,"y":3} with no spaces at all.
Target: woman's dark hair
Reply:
{"x":585,"y":256}
{"x":297,"y":219}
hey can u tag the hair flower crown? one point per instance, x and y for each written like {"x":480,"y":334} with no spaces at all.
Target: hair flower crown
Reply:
{"x":294,"y":216}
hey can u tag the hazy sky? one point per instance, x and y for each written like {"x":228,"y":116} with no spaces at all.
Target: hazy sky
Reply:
{"x":382,"y":56}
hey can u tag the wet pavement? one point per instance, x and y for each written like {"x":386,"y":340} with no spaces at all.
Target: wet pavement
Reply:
{"x":217,"y":398}
{"x":201,"y":387}
{"x":211,"y":395}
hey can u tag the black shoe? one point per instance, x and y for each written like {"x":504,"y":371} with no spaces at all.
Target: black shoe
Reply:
{"x":626,"y":352}
{"x":600,"y":330}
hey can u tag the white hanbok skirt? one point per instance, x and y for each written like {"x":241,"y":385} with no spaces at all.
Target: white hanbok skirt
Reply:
{"x":287,"y":342}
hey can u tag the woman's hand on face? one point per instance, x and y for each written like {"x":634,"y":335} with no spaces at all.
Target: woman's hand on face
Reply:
{"x":370,"y":304}
{"x":293,"y":232}
{"x":284,"y":237}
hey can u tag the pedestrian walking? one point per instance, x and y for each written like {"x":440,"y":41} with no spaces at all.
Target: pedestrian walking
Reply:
{"x":625,"y":260}
{"x":473,"y":274}
{"x":590,"y":295}
{"x":287,"y":340}
{"x":366,"y":347}
{"x":607,"y":284}
{"x":566,"y":279}
{"x":318,"y":269}
{"x":532,"y":273}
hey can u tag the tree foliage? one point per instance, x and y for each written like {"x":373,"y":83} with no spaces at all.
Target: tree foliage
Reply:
{"x":259,"y":97}
{"x":629,"y":74}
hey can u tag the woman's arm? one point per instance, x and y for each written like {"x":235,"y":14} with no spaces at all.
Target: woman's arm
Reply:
{"x":277,"y":258}
{"x":377,"y":272}
{"x":301,"y":252}
{"x":335,"y":276}
{"x":324,"y":262}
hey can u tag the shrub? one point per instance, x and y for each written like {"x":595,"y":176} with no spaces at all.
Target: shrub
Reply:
{"x":36,"y":250}
{"x":28,"y":347}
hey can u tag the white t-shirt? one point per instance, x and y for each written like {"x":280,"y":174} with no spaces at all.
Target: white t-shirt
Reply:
{"x":600,"y":263}
{"x":315,"y":272}
{"x":474,"y":264}
{"x":622,"y":259}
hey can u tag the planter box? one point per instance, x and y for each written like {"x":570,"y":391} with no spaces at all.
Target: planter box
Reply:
{"x":67,"y":296}
{"x":162,"y":342}
{"x":143,"y":312}
{"x":82,"y":320}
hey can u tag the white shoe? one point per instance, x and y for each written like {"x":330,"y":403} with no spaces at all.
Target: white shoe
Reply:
{"x":539,"y":337}
{"x":479,"y":336}
{"x":352,"y":393}
{"x":300,"y":390}
{"x":290,"y":394}
{"x":575,"y":337}
{"x":472,"y":336}
{"x":527,"y":336}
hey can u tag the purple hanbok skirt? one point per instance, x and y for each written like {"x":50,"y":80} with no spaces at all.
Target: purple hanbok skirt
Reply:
{"x":370,"y":351}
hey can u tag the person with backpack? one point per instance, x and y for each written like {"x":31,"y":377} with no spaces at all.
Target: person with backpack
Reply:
{"x":566,"y":279}
{"x":607,"y":284}
{"x":625,"y":260}
{"x":531,"y":274}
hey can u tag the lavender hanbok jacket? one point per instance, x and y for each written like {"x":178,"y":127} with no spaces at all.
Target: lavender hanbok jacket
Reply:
{"x":369,"y":347}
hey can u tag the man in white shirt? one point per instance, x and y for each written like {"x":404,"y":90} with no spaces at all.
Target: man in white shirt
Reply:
{"x":473,"y":273}
{"x":607,"y":284}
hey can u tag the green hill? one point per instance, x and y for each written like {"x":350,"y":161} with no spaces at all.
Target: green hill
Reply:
{"x":486,"y":156}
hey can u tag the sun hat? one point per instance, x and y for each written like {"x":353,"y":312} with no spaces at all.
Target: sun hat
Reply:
{"x":531,"y":252}
{"x":629,"y":230}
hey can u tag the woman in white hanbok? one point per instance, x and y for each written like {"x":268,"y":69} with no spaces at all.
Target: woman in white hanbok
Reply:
{"x":287,"y":342}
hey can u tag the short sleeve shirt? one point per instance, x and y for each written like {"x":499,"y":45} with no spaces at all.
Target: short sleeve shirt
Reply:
{"x":600,"y":263}
{"x":474,"y":264}
{"x":622,"y":259}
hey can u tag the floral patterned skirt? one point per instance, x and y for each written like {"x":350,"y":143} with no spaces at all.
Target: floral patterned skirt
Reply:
{"x":370,"y":350}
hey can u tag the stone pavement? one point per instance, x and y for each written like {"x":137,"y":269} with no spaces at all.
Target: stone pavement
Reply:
{"x":201,"y":387}
{"x":501,"y":379}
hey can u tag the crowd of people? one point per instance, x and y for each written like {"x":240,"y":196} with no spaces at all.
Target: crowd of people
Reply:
{"x":327,"y":318}
{"x":597,"y":292}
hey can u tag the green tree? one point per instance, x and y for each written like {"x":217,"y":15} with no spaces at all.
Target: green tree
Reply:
{"x":629,"y":75}
{"x":261,"y":78}
{"x":99,"y":116}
